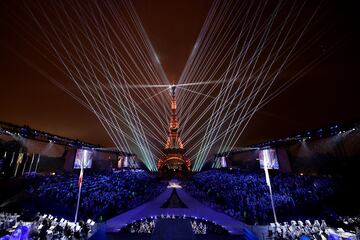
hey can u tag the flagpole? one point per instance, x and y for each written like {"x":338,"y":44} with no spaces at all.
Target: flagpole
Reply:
{"x":268,"y":183}
{"x":27,"y":157}
{"x":78,"y":203}
{"x":12,"y":159}
{"x":32,"y":161}
{"x":272,"y":204}
{"x":16,"y":169}
{"x":37,"y":163}
{"x":80,"y":185}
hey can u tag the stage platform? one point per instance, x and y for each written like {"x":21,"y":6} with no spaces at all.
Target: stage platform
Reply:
{"x":193,"y":208}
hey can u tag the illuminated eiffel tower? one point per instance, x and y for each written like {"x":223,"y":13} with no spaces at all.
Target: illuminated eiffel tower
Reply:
{"x":175,"y":158}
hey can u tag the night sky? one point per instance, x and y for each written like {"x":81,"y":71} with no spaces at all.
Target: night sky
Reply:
{"x":327,"y":94}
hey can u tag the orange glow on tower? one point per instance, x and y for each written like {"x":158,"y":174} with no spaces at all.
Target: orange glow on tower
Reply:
{"x":174,"y":150}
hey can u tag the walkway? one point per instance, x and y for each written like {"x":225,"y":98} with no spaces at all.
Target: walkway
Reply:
{"x":174,"y":201}
{"x":194,"y":209}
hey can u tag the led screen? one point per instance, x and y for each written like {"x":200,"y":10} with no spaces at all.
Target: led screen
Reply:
{"x":269,"y":156}
{"x":83,"y":158}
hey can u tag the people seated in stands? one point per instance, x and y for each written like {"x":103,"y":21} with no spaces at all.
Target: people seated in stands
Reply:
{"x":199,"y":226}
{"x":8,"y":220}
{"x":299,"y":230}
{"x":245,"y":196}
{"x":102,"y":196}
{"x":349,"y":223}
{"x":47,"y":227}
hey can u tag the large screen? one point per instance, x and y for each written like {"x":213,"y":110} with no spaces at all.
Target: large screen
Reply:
{"x":83,"y":158}
{"x":268,"y":156}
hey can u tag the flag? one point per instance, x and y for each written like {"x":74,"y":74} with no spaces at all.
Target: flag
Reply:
{"x":20,"y":158}
{"x":18,"y":162}
{"x":81,"y":177}
{"x":267,"y":176}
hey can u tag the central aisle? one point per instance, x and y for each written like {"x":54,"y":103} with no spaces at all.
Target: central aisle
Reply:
{"x":174,"y":201}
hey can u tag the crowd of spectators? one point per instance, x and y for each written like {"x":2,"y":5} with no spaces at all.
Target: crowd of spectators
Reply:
{"x":140,"y":226}
{"x":202,"y":226}
{"x":102,"y":196}
{"x":298,"y":229}
{"x":8,"y":220}
{"x":44,"y":226}
{"x":308,"y":231}
{"x":246,"y":196}
{"x":198,"y":226}
{"x":349,"y":223}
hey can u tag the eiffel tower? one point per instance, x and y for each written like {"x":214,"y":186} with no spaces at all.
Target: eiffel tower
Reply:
{"x":175,"y":158}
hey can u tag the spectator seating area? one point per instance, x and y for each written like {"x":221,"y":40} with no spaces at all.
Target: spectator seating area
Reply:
{"x":300,"y":230}
{"x":44,"y":226}
{"x":349,"y":223}
{"x":199,"y":226}
{"x":297,"y":229}
{"x":102,"y":196}
{"x":8,"y":221}
{"x":245,"y":196}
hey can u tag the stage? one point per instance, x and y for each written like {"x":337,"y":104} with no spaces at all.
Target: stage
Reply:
{"x":190,"y":208}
